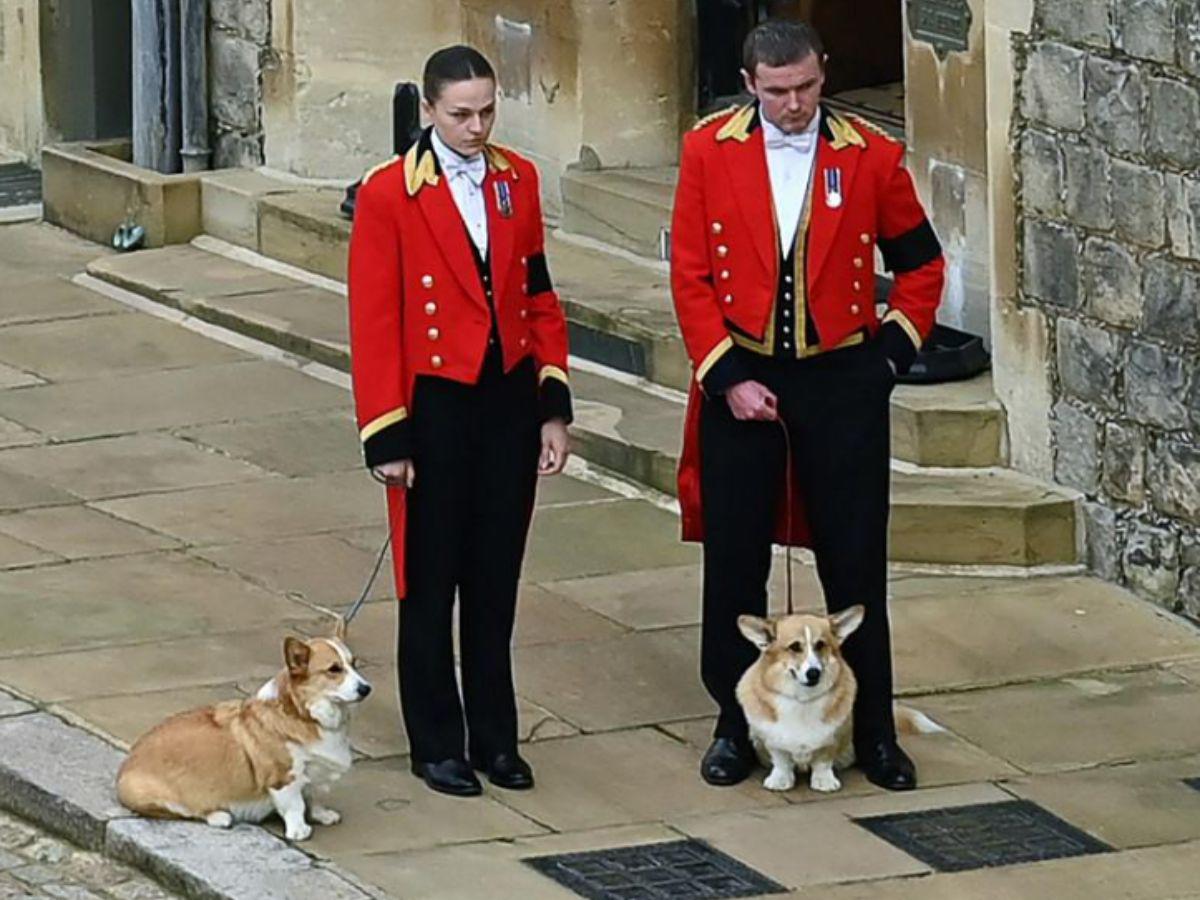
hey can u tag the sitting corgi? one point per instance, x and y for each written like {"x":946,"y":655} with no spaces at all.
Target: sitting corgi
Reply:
{"x":798,"y":697}
{"x":241,"y":760}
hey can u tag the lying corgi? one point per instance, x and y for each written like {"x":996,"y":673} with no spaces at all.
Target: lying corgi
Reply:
{"x":241,"y":760}
{"x":798,"y":697}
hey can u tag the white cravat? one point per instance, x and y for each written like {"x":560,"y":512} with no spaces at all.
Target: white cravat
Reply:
{"x":790,"y":159}
{"x":465,"y":176}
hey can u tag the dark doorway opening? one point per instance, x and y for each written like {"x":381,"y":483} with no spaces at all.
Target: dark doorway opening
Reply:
{"x":863,"y":38}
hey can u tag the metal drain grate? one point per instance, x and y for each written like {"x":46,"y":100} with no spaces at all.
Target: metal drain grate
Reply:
{"x":20,"y":185}
{"x":984,"y":835}
{"x":669,"y":871}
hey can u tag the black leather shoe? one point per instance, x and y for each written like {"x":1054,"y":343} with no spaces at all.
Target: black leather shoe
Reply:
{"x":886,"y":765}
{"x":506,"y":770}
{"x":727,"y":762}
{"x":450,"y":776}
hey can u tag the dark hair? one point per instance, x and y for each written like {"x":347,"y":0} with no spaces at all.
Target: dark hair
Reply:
{"x":781,"y":42}
{"x":450,"y":64}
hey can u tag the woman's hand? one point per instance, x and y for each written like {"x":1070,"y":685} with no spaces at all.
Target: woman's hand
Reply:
{"x":400,"y":473}
{"x":556,"y":447}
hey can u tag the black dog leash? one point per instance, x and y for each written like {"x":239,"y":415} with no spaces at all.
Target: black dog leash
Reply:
{"x":788,"y":499}
{"x":362,"y":598}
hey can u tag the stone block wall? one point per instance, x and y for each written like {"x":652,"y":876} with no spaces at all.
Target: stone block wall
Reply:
{"x":1107,"y":144}
{"x":239,"y":41}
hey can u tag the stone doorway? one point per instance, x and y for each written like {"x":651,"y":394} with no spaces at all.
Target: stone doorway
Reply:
{"x":865,"y":48}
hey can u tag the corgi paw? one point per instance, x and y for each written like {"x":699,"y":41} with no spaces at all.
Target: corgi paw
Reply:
{"x":780,"y":780}
{"x":825,"y":781}
{"x":301,"y":832}
{"x":219,"y":819}
{"x":323,"y":815}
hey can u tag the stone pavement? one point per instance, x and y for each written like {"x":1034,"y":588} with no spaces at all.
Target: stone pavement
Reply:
{"x":171,"y":506}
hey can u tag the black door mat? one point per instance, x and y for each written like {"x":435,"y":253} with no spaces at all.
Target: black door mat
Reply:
{"x":668,"y":871}
{"x":20,"y":185}
{"x":983,"y":835}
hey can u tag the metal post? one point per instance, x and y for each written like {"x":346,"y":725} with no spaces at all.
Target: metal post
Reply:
{"x":156,"y":85}
{"x":194,"y":93}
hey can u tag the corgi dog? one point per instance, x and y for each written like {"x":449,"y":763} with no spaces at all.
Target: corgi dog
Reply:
{"x":798,"y":697}
{"x":241,"y":760}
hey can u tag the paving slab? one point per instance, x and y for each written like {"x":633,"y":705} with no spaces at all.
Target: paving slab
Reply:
{"x":636,"y":679}
{"x":40,"y":249}
{"x":17,"y":554}
{"x":13,"y":434}
{"x":134,"y":464}
{"x":13,"y":377}
{"x":988,"y":631}
{"x":123,"y":600}
{"x":59,"y":777}
{"x":154,"y":400}
{"x":1137,"y":805}
{"x":73,"y":349}
{"x":626,"y":777}
{"x":11,"y":706}
{"x":457,"y":872}
{"x":182,"y":272}
{"x":43,"y":298}
{"x":126,"y":717}
{"x":1079,"y":722}
{"x":305,"y":444}
{"x":274,"y":508}
{"x":206,"y":659}
{"x":18,"y":491}
{"x":78,"y":532}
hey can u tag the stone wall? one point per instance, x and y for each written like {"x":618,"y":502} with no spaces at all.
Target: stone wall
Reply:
{"x":239,"y":44}
{"x":21,"y":119}
{"x":1108,"y":150}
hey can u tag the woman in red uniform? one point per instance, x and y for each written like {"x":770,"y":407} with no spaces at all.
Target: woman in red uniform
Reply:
{"x":459,"y":358}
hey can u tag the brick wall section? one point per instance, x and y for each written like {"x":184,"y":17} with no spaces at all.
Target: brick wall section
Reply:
{"x":239,"y":41}
{"x":1108,"y":158}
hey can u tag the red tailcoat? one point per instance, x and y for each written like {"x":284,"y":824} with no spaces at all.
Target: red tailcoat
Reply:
{"x":725,"y":257}
{"x":417,"y":304}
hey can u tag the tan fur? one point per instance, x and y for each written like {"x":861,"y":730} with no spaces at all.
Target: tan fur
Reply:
{"x":221,"y":758}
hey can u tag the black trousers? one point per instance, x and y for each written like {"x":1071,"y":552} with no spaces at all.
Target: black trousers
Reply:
{"x":836,"y":407}
{"x":476,"y":453}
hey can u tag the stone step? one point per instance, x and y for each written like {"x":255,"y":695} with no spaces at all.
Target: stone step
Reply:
{"x":970,"y":517}
{"x":618,"y":307}
{"x":627,"y":208}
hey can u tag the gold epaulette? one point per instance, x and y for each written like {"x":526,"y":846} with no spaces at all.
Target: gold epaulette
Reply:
{"x":870,"y":126}
{"x":383,"y":165}
{"x":844,"y":133}
{"x":497,"y":159}
{"x":712,"y":117}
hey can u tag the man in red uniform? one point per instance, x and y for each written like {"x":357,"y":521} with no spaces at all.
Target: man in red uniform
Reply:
{"x":779,"y":209}
{"x":459,"y":359}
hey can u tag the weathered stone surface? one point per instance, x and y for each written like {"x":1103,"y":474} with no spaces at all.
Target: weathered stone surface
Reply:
{"x":1041,"y":173}
{"x":1114,"y":103}
{"x":1088,"y":360}
{"x":1144,"y":28}
{"x":1125,"y":462}
{"x":237,"y":150}
{"x":1089,"y":186}
{"x":1139,"y":204}
{"x":250,"y":19}
{"x":1155,"y":386}
{"x":1102,"y":540}
{"x":1187,"y":38}
{"x":1051,"y":264}
{"x":1189,"y":548}
{"x":1111,"y":277}
{"x":234,"y":75}
{"x":1172,"y":297}
{"x":1179,"y":225}
{"x":1151,"y":561}
{"x":1052,"y":86}
{"x":1174,"y":123}
{"x":244,"y":862}
{"x":1175,"y":479}
{"x":11,"y":706}
{"x":1077,"y":21}
{"x":1189,"y":593}
{"x":1077,"y":448}
{"x":59,"y":777}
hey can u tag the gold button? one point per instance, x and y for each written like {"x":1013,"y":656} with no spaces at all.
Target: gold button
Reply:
{"x":858,"y":285}
{"x":854,"y":308}
{"x":525,"y":288}
{"x":729,"y":298}
{"x":717,"y":227}
{"x":435,"y":361}
{"x":427,"y":281}
{"x":865,"y":238}
{"x":524,"y":314}
{"x":722,"y":251}
{"x":524,"y":260}
{"x":430,"y":308}
{"x":858,"y":263}
{"x":434,"y":334}
{"x":524,"y":342}
{"x":724,"y":274}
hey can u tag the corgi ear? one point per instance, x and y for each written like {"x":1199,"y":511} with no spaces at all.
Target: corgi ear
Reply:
{"x":339,"y":629}
{"x":847,"y":621}
{"x":296,"y":654}
{"x":759,"y":632}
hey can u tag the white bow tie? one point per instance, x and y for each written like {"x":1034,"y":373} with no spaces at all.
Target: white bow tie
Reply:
{"x":474,"y":169}
{"x":802,"y":142}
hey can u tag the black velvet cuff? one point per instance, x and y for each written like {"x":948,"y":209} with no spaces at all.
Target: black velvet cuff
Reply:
{"x":897,"y":346}
{"x":911,"y":250}
{"x":554,"y":401}
{"x":392,"y":444}
{"x":727,"y":371}
{"x":539,"y":275}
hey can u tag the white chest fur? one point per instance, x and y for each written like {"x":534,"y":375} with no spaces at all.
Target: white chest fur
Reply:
{"x":322,"y":763}
{"x":798,"y":730}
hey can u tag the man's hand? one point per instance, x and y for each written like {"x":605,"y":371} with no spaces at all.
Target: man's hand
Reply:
{"x":556,"y":447}
{"x":750,"y":401}
{"x":400,"y":473}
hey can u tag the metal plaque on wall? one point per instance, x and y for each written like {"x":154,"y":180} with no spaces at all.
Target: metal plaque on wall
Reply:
{"x":946,"y":24}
